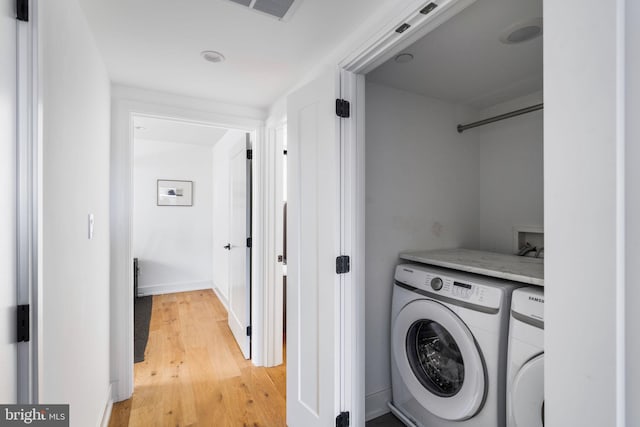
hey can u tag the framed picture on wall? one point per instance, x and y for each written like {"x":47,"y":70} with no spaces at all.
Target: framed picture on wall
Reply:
{"x":175,"y":193}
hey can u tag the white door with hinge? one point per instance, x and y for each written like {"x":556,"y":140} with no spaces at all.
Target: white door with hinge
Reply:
{"x":8,"y":135}
{"x":240,"y":244}
{"x":314,"y":390}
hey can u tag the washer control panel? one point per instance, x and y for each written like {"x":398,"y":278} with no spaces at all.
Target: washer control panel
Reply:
{"x":449,"y":285}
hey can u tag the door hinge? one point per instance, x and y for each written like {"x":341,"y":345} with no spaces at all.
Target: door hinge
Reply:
{"x":248,"y":331}
{"x":22,"y":10}
{"x":402,"y":28}
{"x":342,"y":420}
{"x":22,"y":332}
{"x":343,"y":108}
{"x":249,"y":154}
{"x":428,"y":8}
{"x":343,"y":264}
{"x":249,"y":242}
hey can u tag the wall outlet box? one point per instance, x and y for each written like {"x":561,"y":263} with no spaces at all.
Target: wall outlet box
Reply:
{"x":534,"y":235}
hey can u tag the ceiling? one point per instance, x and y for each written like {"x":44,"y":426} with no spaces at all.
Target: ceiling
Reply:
{"x":176,"y":131}
{"x":156,"y":44}
{"x":463,"y":60}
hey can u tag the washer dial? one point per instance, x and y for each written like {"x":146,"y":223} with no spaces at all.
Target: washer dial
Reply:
{"x":436,"y":283}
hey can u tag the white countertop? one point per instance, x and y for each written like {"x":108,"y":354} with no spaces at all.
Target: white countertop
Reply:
{"x":510,"y":267}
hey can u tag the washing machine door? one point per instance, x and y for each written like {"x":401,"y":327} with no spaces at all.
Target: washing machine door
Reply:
{"x":439,"y":360}
{"x":527,"y":394}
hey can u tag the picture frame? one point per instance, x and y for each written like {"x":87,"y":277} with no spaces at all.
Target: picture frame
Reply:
{"x":171,"y":192}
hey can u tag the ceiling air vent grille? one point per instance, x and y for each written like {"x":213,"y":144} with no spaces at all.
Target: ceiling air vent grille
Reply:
{"x":279,"y":9}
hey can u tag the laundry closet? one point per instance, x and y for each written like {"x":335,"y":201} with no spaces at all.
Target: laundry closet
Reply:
{"x":432,"y":185}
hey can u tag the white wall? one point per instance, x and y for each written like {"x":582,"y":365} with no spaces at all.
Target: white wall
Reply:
{"x":511,"y":173}
{"x":632,"y":155}
{"x":422,"y":193}
{"x":172,"y":243}
{"x":584,"y":227}
{"x":8,"y":359}
{"x":429,"y":187}
{"x":221,"y":219}
{"x":75,"y":270}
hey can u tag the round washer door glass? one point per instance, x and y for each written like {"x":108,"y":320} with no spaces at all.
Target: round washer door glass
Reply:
{"x":435,"y":358}
{"x":438,"y":360}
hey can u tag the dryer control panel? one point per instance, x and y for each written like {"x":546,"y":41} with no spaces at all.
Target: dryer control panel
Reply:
{"x":460,"y":287}
{"x":529,"y":302}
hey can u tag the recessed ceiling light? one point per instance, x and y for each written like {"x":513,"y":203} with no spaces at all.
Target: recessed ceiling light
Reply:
{"x":212,"y":56}
{"x":403,"y":58}
{"x":522,"y":31}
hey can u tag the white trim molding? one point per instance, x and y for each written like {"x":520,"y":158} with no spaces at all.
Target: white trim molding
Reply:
{"x":376,"y":404}
{"x":170,"y":288}
{"x":29,"y":200}
{"x":221,"y":297}
{"x":385,"y":42}
{"x":273,"y":301}
{"x":106,"y":414}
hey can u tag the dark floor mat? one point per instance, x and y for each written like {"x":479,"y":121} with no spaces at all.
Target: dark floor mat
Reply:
{"x":387,"y":420}
{"x":141,"y":319}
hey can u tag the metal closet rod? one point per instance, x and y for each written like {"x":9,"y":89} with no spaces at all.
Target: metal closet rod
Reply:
{"x":462,"y":128}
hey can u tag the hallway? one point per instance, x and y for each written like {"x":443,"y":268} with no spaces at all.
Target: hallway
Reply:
{"x":194,"y":373}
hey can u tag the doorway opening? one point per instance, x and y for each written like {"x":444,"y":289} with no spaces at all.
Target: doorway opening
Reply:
{"x":454,"y":159}
{"x":192,"y":199}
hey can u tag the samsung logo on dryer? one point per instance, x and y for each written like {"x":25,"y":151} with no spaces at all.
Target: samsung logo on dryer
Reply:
{"x":536,"y":299}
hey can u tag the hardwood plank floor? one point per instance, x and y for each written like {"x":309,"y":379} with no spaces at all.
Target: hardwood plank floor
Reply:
{"x":194,"y":373}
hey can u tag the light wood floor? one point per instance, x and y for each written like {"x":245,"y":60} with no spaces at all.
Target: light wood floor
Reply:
{"x":195,"y":375}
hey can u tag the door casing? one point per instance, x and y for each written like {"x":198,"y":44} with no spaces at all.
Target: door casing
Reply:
{"x":127,"y":103}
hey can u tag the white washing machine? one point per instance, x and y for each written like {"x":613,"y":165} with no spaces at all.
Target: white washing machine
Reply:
{"x":525,"y":371}
{"x":449,"y":333}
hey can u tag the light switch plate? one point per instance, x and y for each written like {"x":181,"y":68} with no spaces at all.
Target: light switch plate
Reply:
{"x":91,"y":222}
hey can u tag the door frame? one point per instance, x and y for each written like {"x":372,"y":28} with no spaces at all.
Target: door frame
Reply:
{"x":274,"y":298}
{"x":29,"y":200}
{"x":352,"y":67}
{"x":379,"y":48}
{"x":382,"y":46}
{"x":130,"y":102}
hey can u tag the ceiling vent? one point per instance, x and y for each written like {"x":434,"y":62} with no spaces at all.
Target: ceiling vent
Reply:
{"x":279,"y":9}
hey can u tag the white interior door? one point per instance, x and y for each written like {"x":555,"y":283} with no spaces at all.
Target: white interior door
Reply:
{"x":314,"y":397}
{"x":279,"y":271}
{"x":8,"y":286}
{"x":239,"y":245}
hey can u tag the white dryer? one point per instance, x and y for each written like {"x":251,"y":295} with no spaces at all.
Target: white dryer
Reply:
{"x":525,"y":371}
{"x":449,"y":333}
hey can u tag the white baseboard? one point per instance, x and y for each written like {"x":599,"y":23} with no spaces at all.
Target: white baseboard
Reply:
{"x":106,"y":415}
{"x":375,"y":404}
{"x":170,"y":288}
{"x":221,"y":297}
